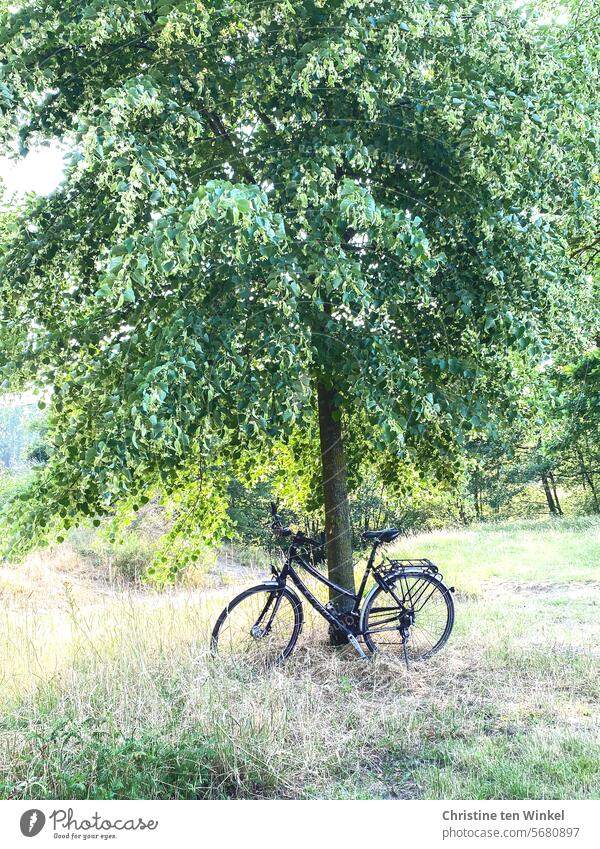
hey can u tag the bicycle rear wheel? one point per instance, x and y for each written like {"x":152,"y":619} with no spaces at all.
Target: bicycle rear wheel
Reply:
{"x":259,"y":627}
{"x":421,"y":615}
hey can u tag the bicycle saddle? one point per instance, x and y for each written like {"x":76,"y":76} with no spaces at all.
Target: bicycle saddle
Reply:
{"x":384,"y":535}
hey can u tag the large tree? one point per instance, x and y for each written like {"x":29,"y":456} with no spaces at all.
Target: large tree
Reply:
{"x":279,"y":216}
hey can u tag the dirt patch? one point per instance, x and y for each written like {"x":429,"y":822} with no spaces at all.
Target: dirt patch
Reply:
{"x":228,"y":571}
{"x":551,"y":589}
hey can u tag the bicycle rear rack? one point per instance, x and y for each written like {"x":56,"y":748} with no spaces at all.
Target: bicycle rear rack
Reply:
{"x":417,"y":563}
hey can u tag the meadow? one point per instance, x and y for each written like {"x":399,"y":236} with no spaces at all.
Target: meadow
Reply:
{"x":106,"y":691}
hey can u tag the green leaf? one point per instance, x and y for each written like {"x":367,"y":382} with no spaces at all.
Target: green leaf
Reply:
{"x":103,"y":292}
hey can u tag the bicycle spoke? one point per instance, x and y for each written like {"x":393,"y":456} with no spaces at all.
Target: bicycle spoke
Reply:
{"x":256,"y":629}
{"x":423,"y":612}
{"x":410,"y":609}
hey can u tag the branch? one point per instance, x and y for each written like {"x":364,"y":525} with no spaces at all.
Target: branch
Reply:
{"x":594,"y":245}
{"x":267,"y":121}
{"x":221,"y":130}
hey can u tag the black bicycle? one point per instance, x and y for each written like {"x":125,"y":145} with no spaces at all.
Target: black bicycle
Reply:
{"x":409,"y":610}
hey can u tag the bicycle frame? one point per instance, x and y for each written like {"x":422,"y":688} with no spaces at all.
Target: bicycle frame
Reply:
{"x":288,"y":570}
{"x":354,"y":620}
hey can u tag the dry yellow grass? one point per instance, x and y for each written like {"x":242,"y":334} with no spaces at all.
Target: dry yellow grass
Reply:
{"x":116,"y":697}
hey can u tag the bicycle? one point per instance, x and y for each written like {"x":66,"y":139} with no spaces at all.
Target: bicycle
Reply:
{"x":409,"y":606}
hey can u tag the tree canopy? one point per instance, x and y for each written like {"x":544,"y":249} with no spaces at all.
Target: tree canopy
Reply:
{"x":375,"y":198}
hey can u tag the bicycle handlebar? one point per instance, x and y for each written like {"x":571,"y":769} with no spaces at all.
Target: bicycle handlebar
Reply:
{"x":279,"y":528}
{"x":301,"y":539}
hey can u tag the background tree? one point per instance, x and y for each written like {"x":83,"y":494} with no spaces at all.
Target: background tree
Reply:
{"x":576,"y":447}
{"x":21,"y":433}
{"x":274,"y":215}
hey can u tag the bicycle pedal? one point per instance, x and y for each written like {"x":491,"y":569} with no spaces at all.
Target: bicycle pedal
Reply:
{"x":357,"y":646}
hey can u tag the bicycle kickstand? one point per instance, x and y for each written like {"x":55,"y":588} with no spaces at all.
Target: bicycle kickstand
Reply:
{"x":405,"y":647}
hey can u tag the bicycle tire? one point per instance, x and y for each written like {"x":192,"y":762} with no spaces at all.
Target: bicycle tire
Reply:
{"x":271,"y":592}
{"x":425,"y":582}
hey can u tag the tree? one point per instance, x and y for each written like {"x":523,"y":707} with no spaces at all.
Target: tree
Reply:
{"x":576,"y":447}
{"x":17,"y":421}
{"x":277,"y":214}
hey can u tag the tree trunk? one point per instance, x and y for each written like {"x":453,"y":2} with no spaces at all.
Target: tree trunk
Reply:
{"x":555,"y":493}
{"x":549,"y":498}
{"x":476,"y":499}
{"x":337,"y":511}
{"x":587,"y":477}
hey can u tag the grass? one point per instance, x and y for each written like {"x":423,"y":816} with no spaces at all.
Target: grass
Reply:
{"x":112,"y":695}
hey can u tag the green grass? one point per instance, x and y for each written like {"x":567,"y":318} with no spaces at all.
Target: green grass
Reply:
{"x":117,"y":699}
{"x":520,"y":551}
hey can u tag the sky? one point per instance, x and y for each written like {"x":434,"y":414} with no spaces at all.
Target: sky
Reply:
{"x":40,"y":171}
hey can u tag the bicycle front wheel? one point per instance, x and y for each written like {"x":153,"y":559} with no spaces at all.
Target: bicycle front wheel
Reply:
{"x":415,"y":611}
{"x":259,"y":627}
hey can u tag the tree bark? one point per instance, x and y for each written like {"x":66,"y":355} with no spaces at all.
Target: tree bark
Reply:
{"x":476,"y":499}
{"x":587,"y":477}
{"x":554,"y":493}
{"x":549,"y":498}
{"x":335,"y":490}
